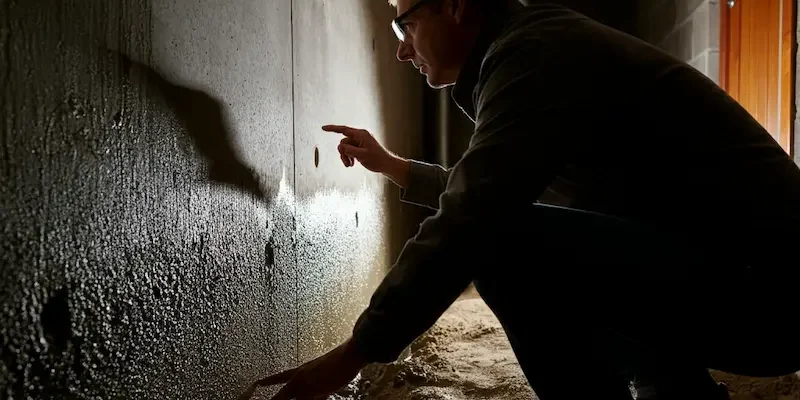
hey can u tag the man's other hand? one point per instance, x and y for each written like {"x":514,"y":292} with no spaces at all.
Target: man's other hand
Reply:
{"x":315,"y":379}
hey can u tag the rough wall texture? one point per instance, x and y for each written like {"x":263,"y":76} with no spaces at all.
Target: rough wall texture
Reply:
{"x":687,"y":29}
{"x":165,"y":231}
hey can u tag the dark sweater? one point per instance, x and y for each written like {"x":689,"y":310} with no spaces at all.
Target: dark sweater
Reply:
{"x":610,"y":122}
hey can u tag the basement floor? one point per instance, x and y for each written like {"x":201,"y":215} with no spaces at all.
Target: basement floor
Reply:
{"x":467,"y":356}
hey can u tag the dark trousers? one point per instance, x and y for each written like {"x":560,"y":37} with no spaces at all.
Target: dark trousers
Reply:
{"x":591,"y":302}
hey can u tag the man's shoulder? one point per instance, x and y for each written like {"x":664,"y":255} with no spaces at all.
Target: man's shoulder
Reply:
{"x":539,"y":36}
{"x":540,"y":30}
{"x":557,"y":42}
{"x":540,"y":23}
{"x":543,"y":19}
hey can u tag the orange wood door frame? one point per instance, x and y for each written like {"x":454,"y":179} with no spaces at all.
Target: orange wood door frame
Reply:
{"x":789,"y":71}
{"x":760,"y":76}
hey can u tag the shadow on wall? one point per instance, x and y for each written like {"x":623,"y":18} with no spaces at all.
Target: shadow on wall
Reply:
{"x":205,"y":123}
{"x":130,"y":272}
{"x":126,"y":275}
{"x":408,"y":132}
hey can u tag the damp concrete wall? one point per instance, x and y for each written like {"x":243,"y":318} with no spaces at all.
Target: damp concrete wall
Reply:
{"x":174,"y":222}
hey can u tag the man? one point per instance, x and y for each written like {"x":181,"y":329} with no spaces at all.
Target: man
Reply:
{"x":671,"y":251}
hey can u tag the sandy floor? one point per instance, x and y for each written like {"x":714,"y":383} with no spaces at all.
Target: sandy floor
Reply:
{"x":467,"y":356}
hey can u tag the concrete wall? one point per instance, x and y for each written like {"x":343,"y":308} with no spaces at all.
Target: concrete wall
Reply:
{"x":165,"y":230}
{"x":687,"y":29}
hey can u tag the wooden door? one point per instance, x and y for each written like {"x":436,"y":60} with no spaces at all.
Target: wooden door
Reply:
{"x":757,"y":61}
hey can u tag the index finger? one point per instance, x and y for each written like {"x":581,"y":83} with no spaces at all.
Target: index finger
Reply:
{"x":344,"y":130}
{"x":278,"y":378}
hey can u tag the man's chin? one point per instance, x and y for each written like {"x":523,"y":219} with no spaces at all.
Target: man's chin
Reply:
{"x":435,"y":83}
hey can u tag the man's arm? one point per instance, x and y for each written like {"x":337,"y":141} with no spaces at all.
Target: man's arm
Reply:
{"x":526,"y":131}
{"x":420,"y":183}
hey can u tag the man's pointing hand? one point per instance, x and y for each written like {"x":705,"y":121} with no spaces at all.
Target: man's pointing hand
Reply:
{"x":359,"y":144}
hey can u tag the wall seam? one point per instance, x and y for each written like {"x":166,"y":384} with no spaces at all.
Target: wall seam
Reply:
{"x":294,"y":189}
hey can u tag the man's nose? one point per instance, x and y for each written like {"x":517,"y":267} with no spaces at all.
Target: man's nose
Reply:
{"x":404,"y":51}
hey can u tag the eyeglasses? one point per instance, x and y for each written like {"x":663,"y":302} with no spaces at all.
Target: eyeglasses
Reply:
{"x":399,"y":27}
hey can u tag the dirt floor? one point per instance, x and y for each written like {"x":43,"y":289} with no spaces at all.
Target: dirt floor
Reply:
{"x":467,"y":356}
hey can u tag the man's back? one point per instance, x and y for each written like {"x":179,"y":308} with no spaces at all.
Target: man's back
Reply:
{"x":657,"y":141}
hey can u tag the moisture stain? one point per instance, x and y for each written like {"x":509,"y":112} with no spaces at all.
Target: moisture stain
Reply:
{"x":56,"y":320}
{"x":116,"y":120}
{"x":269,"y":254}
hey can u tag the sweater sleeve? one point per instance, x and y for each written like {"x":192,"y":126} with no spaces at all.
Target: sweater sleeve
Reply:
{"x":426,"y":182}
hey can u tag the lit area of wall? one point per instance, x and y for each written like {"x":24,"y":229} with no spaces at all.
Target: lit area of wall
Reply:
{"x":165,"y":230}
{"x":346,"y":73}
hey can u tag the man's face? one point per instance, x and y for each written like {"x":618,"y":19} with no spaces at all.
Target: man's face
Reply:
{"x":432,"y":39}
